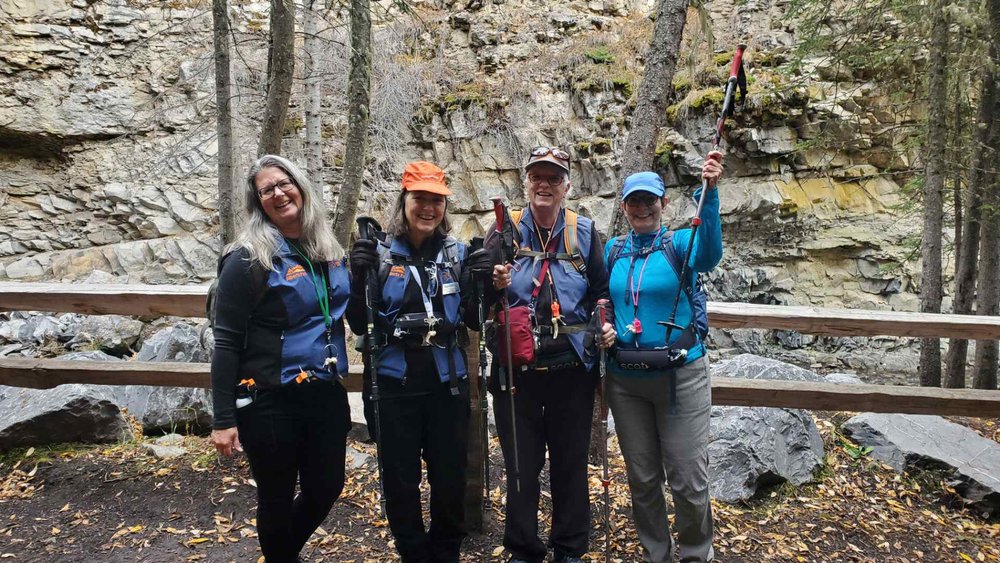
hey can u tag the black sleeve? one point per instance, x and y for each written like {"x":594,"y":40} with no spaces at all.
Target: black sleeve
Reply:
{"x":492,"y":244}
{"x":234,"y":298}
{"x":597,"y":272}
{"x":356,"y":313}
{"x":471,"y":289}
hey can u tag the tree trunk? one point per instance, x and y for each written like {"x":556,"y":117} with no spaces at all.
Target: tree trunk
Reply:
{"x":930,"y":246}
{"x":979,"y":179}
{"x":984,"y":375}
{"x":224,"y":119}
{"x":280,"y":68}
{"x":358,"y":97}
{"x":651,"y":97}
{"x":313,"y":93}
{"x":984,"y":372}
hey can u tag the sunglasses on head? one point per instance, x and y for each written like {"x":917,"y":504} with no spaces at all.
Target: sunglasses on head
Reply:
{"x":554,"y":151}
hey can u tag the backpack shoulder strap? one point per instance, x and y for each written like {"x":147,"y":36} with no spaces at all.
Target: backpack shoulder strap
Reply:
{"x":452,"y":258}
{"x":675,"y":261}
{"x":571,"y":241}
{"x":616,"y":251}
{"x":384,"y":259}
{"x":515,"y":218}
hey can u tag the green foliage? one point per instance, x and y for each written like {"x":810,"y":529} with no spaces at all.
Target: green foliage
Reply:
{"x":600,"y":55}
{"x":664,"y":152}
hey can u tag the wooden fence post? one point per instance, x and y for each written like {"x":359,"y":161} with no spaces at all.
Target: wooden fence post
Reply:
{"x":475,"y":520}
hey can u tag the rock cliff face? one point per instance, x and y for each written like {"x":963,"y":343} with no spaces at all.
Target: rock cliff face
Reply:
{"x":107,"y":140}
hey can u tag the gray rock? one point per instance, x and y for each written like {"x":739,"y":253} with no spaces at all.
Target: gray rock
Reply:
{"x":356,"y":459}
{"x":90,"y":356}
{"x":113,"y":334}
{"x":164,"y":452}
{"x":749,"y":366}
{"x":170,"y":408}
{"x":68,"y":413}
{"x":31,"y":328}
{"x":844,"y":378}
{"x":909,"y":441}
{"x":754,"y":447}
{"x":179,"y":343}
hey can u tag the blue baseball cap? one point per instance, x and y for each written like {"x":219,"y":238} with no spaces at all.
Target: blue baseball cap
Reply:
{"x":643,"y":182}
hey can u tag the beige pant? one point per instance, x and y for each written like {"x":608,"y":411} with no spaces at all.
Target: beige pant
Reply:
{"x":658,"y":444}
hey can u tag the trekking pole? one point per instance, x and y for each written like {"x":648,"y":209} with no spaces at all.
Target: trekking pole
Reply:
{"x":477,"y":243}
{"x":367,"y":229}
{"x":605,"y":479}
{"x":506,"y":232}
{"x":737,"y":80}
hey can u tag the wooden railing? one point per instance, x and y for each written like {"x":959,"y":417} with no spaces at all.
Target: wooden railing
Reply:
{"x":189,"y":301}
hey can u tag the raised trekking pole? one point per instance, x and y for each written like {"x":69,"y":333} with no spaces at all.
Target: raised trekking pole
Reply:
{"x":605,"y":479}
{"x":737,"y":80}
{"x":477,"y":243}
{"x":367,"y":229}
{"x":505,"y":229}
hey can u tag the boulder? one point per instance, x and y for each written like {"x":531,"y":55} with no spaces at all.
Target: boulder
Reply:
{"x":31,"y":329}
{"x":755,"y":447}
{"x":910,"y":441}
{"x":113,"y":334}
{"x":67,"y":413}
{"x":170,"y":408}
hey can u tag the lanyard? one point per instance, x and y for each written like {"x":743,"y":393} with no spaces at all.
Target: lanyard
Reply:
{"x":319,"y":282}
{"x":425,"y":295}
{"x":544,"y":272}
{"x":633,"y":286}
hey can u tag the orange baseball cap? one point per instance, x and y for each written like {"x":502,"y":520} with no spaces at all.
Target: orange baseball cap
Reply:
{"x":422,"y":176}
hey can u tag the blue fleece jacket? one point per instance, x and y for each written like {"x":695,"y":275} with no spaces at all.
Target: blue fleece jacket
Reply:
{"x":659,"y":283}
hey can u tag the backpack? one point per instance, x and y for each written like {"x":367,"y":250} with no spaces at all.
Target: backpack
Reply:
{"x":258,"y":281}
{"x":569,"y":239}
{"x":697,"y":296}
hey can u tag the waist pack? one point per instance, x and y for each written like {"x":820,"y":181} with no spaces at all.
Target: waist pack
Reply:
{"x":522,"y":339}
{"x":650,"y":359}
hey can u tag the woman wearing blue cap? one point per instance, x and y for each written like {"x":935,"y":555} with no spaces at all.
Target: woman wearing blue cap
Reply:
{"x":658,"y":382}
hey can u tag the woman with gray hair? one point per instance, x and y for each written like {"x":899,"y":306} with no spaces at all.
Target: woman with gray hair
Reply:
{"x":279,"y":355}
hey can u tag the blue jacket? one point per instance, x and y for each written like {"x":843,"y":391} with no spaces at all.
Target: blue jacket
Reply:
{"x":659,"y":283}
{"x":572,"y":288}
{"x":397,"y":277}
{"x":269,"y":325}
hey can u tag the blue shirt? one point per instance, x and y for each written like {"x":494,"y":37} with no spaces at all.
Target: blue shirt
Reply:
{"x":657,"y":283}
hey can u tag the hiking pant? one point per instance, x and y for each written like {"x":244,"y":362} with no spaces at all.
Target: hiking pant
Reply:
{"x":655,"y":441}
{"x":296,"y":432}
{"x":553,"y":411}
{"x":433,"y":425}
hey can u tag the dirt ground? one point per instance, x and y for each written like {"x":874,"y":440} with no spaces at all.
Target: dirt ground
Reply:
{"x":118,"y":504}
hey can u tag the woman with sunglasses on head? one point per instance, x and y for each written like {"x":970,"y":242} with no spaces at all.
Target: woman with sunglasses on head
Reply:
{"x":559,"y":275}
{"x":423,"y":410}
{"x":279,"y":355}
{"x":659,"y":390}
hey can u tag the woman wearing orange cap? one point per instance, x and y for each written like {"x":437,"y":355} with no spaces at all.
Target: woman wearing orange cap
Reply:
{"x":423,"y":404}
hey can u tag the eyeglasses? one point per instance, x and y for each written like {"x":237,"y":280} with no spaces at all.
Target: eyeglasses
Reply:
{"x":286,"y":186}
{"x":644,"y":200}
{"x":554,"y":151}
{"x":552,"y":181}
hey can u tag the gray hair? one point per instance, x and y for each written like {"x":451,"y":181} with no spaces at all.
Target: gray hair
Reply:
{"x":398,"y":226}
{"x":262,"y":239}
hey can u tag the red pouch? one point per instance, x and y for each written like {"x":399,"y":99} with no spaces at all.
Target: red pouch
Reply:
{"x":522,"y":341}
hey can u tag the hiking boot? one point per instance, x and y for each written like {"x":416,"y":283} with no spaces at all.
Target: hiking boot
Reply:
{"x":566,"y":559}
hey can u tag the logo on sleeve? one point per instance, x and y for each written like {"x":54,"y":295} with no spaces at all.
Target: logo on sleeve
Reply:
{"x":295,"y":272}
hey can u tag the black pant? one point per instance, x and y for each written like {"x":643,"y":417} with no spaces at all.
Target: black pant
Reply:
{"x":432,"y":424}
{"x":298,"y":431}
{"x":553,"y":410}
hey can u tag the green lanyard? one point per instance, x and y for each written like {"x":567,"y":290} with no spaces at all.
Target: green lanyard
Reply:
{"x":319,"y":281}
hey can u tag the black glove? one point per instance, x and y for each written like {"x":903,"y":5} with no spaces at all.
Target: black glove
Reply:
{"x":480,"y":263}
{"x":364,"y":257}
